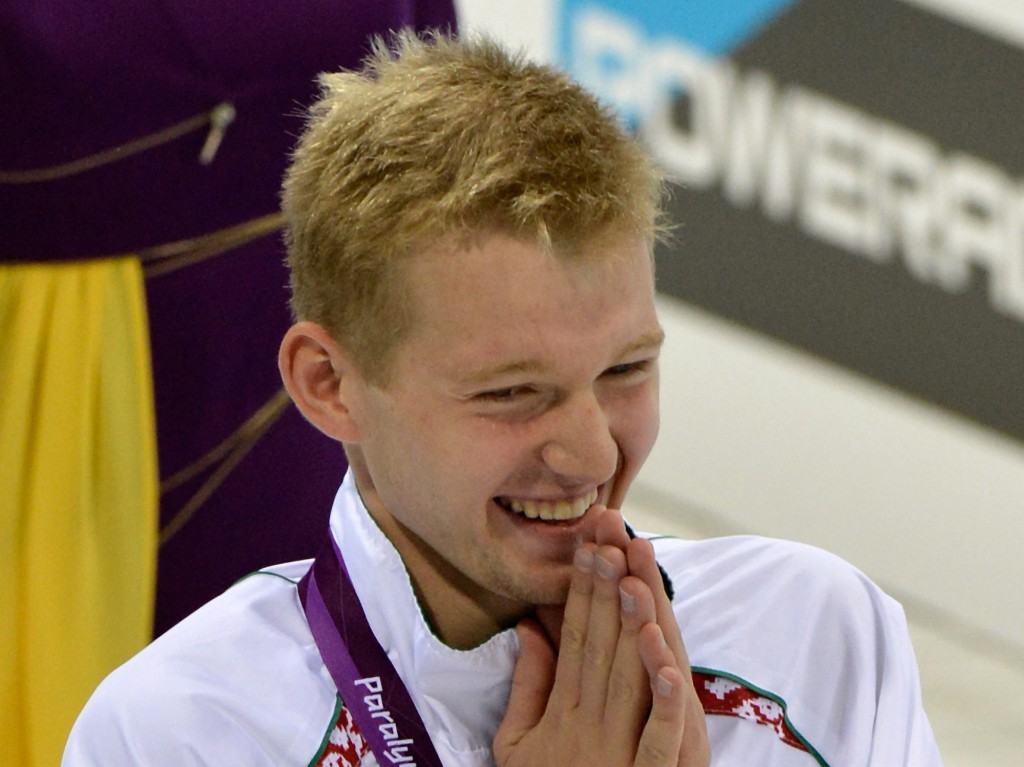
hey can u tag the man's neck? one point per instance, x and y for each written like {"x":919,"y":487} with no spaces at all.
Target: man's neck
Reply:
{"x":458,"y":611}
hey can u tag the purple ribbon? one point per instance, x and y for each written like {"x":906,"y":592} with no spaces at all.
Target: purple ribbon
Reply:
{"x":370,"y":687}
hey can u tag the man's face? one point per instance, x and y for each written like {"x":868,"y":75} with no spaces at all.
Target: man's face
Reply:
{"x":527,"y":389}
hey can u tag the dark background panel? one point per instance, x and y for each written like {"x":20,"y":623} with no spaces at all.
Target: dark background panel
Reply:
{"x":895,"y":62}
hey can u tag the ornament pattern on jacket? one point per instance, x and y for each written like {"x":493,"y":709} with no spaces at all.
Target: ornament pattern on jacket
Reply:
{"x":721,"y":696}
{"x":346,"y":746}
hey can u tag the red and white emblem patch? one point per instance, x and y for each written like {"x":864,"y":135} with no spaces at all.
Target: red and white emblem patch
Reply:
{"x":726,"y":697}
{"x":346,"y":746}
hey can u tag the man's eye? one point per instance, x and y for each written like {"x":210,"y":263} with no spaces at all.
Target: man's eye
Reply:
{"x":626,"y":368}
{"x":504,"y":395}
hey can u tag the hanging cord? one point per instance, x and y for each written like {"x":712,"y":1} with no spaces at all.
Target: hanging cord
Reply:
{"x":228,"y":454}
{"x":172,"y":256}
{"x":218,"y":118}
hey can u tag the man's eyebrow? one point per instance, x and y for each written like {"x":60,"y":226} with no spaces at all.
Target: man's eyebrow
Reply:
{"x":651,"y":340}
{"x":485,"y":374}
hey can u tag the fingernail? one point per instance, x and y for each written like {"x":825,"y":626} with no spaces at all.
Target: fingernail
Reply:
{"x":663,"y":686}
{"x":584,"y":560}
{"x":628,"y":602}
{"x":605,"y":568}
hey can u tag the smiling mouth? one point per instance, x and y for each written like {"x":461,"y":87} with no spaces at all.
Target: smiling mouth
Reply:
{"x":563,"y":510}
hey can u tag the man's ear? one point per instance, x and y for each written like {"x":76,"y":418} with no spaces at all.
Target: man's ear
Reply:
{"x":321,"y":379}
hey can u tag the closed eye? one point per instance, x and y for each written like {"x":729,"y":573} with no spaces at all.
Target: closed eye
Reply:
{"x":627,"y":368}
{"x":508,"y":394}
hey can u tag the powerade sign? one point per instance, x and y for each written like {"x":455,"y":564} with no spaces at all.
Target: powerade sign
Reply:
{"x":626,"y":50}
{"x":847,"y":177}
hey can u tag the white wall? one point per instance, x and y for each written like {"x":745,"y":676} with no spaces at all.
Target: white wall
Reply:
{"x":757,"y":437}
{"x":774,"y":441}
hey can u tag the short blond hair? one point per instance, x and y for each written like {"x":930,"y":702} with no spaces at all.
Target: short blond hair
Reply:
{"x":439,"y":138}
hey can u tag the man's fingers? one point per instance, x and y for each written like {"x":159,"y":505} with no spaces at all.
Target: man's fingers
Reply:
{"x":531,"y":685}
{"x":655,"y":654}
{"x":615,"y":690}
{"x":662,"y":736}
{"x":677,"y":717}
{"x":629,"y":691}
{"x":610,"y":529}
{"x":642,"y":564}
{"x":573,"y":633}
{"x":603,"y":628}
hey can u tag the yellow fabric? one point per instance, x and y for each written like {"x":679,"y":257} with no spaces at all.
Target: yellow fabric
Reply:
{"x":78,"y":493}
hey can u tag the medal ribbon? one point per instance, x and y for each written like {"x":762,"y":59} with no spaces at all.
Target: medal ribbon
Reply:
{"x":369,"y":685}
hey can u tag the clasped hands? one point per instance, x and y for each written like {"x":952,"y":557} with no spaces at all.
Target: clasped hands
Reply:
{"x":617,"y":688}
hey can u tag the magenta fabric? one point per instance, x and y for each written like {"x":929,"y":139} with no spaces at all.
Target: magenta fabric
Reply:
{"x":79,"y":77}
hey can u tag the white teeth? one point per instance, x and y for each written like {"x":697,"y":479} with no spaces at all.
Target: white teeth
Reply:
{"x":556,"y":511}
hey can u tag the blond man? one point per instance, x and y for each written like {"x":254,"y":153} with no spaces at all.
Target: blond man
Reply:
{"x":470,"y":240}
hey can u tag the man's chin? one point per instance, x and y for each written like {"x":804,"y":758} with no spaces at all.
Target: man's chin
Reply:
{"x":549,"y":592}
{"x":550,"y":618}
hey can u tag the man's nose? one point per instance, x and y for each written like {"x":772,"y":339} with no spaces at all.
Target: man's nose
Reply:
{"x":580,"y":446}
